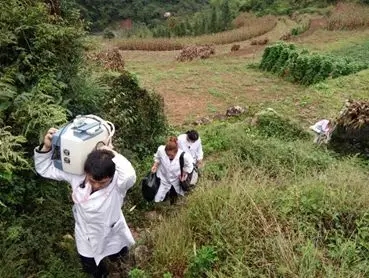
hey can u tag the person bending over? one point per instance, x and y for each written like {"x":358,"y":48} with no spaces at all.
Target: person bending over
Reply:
{"x":167,"y":167}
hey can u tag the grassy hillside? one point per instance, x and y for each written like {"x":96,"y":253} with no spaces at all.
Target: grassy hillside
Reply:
{"x":270,"y":203}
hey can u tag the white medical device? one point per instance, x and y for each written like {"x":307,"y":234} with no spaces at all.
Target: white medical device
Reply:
{"x":74,"y":141}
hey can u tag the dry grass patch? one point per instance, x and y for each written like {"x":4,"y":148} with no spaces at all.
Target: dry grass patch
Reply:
{"x":255,"y":26}
{"x":348,"y":16}
{"x":192,"y":52}
{"x":110,"y":59}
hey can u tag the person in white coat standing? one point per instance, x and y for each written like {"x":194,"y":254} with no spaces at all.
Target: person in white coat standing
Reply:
{"x":100,"y":227}
{"x":190,"y":142}
{"x":167,"y":167}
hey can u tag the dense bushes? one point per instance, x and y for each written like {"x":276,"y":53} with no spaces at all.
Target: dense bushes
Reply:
{"x":138,"y":115}
{"x":40,"y":55}
{"x":303,"y":67}
{"x":44,"y":82}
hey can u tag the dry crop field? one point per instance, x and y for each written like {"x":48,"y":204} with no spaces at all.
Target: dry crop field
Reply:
{"x":255,"y":26}
{"x":199,"y":88}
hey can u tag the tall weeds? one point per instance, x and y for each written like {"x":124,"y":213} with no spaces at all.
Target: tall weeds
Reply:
{"x":348,"y":16}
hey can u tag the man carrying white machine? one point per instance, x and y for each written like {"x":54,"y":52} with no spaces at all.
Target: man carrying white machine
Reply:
{"x":98,"y":194}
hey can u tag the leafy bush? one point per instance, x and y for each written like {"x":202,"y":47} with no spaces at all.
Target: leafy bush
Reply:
{"x":137,"y":114}
{"x":272,"y":124}
{"x":202,"y":262}
{"x":40,"y":55}
{"x":137,"y":273}
{"x":108,"y":34}
{"x":305,"y":68}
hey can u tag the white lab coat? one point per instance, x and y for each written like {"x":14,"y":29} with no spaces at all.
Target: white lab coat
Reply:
{"x":320,"y":127}
{"x":100,"y":227}
{"x":169,"y":172}
{"x":194,"y":149}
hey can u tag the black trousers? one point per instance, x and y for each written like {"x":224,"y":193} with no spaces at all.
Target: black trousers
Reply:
{"x":99,"y":271}
{"x":172,"y":195}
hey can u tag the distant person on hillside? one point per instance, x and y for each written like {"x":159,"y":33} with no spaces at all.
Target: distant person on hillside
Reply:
{"x":190,"y":142}
{"x":322,"y":130}
{"x":167,"y":166}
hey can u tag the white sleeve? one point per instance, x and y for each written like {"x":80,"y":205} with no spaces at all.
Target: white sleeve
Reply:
{"x":157,"y":155}
{"x":182,"y":142}
{"x":188,"y":163}
{"x":199,"y":152}
{"x":126,"y":173}
{"x":45,"y":167}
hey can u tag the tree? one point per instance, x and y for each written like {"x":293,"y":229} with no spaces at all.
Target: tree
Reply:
{"x":226,"y":17}
{"x":213,"y":20}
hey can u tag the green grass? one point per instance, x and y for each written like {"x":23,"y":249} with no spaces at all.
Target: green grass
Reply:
{"x":270,"y":203}
{"x":357,"y":52}
{"x":268,"y":206}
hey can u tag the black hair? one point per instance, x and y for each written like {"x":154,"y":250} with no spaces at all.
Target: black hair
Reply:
{"x":193,"y":135}
{"x":99,"y":164}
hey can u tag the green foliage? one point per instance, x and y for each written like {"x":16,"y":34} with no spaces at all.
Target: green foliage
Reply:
{"x":102,"y":13}
{"x":216,"y":19}
{"x":356,"y":52}
{"x":138,"y":115}
{"x":137,"y":273}
{"x":108,"y":34}
{"x":305,"y":68}
{"x":167,"y":275}
{"x":282,"y":7}
{"x":10,"y":156}
{"x":202,"y":262}
{"x":40,"y":55}
{"x":271,"y":124}
{"x":275,"y":144}
{"x":311,"y":222}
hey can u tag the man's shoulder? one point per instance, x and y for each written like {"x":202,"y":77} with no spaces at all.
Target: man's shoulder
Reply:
{"x":182,"y":137}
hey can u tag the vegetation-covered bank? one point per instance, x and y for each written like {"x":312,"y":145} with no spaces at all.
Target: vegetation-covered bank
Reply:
{"x":45,"y":82}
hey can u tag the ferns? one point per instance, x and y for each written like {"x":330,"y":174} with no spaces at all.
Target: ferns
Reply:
{"x":10,"y":156}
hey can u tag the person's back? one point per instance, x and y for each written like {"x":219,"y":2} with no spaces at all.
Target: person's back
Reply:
{"x":321,"y":126}
{"x":322,"y":130}
{"x":190,"y":142}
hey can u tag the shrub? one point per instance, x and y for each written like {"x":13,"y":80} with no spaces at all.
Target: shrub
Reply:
{"x":137,"y":114}
{"x":303,"y":67}
{"x":271,"y":124}
{"x":108,"y":34}
{"x":202,"y":262}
